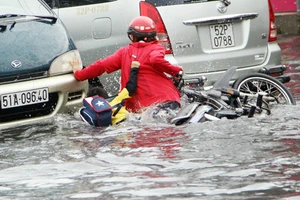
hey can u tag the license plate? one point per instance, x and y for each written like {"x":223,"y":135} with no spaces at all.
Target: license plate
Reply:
{"x":222,"y":36}
{"x":24,"y":98}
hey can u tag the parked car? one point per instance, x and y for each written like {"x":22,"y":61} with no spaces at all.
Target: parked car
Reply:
{"x":206,"y":37}
{"x":36,"y":80}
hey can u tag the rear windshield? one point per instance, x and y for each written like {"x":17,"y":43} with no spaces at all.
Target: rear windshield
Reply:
{"x":175,"y":2}
{"x":72,"y":3}
{"x":23,"y":7}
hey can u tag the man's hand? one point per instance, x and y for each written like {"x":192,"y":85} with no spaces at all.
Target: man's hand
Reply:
{"x":135,"y":64}
{"x":75,"y":64}
{"x":178,"y":80}
{"x":178,"y":76}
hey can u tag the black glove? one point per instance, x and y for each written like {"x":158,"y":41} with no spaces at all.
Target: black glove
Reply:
{"x":132,"y":82}
{"x":178,"y":80}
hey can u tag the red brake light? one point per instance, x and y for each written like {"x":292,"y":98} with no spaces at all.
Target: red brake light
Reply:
{"x":147,"y":9}
{"x":272,"y":28}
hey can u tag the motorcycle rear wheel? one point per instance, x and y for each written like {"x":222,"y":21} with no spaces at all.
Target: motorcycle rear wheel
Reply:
{"x":254,"y":83}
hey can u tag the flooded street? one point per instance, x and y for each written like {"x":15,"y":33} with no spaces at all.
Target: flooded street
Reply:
{"x":229,"y":159}
{"x":246,"y":158}
{"x":290,"y":46}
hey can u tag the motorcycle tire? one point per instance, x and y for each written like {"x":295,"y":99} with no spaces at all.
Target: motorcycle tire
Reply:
{"x":254,"y":83}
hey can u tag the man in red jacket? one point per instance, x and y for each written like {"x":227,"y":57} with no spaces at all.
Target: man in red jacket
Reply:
{"x":153,"y":85}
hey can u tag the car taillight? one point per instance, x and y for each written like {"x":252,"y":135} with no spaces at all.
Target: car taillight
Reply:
{"x":272,"y":29}
{"x":147,"y":9}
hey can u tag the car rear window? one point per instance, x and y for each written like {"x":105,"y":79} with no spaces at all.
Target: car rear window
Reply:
{"x":71,"y":3}
{"x":28,"y":7}
{"x":158,"y":3}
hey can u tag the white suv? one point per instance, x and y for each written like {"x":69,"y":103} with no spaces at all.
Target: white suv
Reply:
{"x":206,"y":37}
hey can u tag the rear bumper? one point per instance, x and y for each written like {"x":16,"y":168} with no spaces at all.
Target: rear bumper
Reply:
{"x":276,"y":72}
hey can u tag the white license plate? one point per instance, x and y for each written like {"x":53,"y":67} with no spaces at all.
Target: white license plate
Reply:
{"x":221,"y":35}
{"x":24,"y":98}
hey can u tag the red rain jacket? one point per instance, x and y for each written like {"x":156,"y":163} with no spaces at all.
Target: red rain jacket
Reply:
{"x":153,"y":86}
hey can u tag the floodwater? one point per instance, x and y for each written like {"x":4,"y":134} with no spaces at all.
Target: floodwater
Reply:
{"x":246,"y":158}
{"x":290,"y":45}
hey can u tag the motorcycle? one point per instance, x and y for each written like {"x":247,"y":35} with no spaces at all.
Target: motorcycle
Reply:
{"x":246,"y":96}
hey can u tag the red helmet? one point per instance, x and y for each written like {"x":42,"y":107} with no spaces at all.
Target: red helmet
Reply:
{"x":142,"y":26}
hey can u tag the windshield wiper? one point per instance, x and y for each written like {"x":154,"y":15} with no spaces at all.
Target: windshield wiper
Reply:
{"x":4,"y":25}
{"x":3,"y":28}
{"x":191,"y":1}
{"x":226,"y":2}
{"x":9,"y":15}
{"x":54,"y":19}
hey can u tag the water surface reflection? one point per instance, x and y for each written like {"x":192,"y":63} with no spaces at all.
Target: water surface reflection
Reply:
{"x":246,"y":158}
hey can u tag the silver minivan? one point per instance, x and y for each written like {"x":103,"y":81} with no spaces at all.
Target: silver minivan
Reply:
{"x":206,"y":37}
